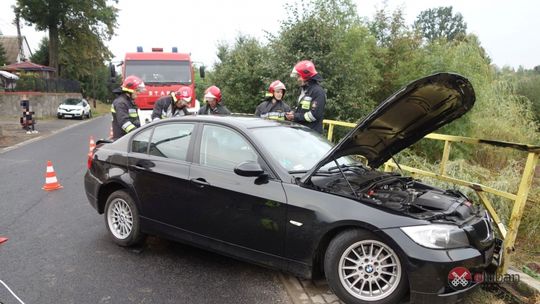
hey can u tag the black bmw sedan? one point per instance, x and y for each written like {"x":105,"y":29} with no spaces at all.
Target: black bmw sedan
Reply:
{"x":280,"y":195}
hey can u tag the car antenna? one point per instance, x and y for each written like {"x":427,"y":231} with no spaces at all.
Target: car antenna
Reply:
{"x":345,"y":177}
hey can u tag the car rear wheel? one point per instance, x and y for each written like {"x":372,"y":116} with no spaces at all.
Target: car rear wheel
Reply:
{"x":122,"y":219}
{"x":362,"y":268}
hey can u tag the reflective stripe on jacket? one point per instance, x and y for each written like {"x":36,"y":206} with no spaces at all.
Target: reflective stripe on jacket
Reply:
{"x":270,"y":110}
{"x":165,"y":108}
{"x":125,"y":116}
{"x":311,"y":103}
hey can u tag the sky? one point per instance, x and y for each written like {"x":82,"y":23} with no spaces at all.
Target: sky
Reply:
{"x":507,"y":29}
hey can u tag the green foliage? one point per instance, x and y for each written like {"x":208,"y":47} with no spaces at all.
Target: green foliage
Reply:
{"x":440,"y":23}
{"x":528,"y":85}
{"x":331,"y":35}
{"x":242,"y":74}
{"x":398,"y":52}
{"x":2,"y":55}
{"x":41,"y":56}
{"x":72,"y":24}
{"x":77,"y":31}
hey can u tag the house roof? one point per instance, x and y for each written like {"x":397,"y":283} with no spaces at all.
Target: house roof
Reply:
{"x":11,"y":46}
{"x":27,"y":66}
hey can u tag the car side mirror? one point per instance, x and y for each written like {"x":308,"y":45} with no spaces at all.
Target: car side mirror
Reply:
{"x":249,"y":169}
{"x":112,"y":71}
{"x":201,"y":71}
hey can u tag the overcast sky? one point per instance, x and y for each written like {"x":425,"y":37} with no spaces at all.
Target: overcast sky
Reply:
{"x":508,"y":30}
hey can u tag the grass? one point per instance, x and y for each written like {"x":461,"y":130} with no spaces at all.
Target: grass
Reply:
{"x":101,"y":108}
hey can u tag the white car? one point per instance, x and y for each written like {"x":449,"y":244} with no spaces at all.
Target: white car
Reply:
{"x":74,"y":107}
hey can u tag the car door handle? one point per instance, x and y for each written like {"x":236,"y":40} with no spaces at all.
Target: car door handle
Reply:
{"x":200,"y":182}
{"x":144,"y":164}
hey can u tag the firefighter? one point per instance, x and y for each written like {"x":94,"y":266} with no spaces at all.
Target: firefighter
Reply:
{"x":213,"y":105}
{"x":312,"y":100}
{"x":273,"y":106}
{"x":175,"y":104}
{"x":124,"y":109}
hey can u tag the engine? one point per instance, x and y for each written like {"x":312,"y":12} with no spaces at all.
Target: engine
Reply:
{"x":402,"y":194}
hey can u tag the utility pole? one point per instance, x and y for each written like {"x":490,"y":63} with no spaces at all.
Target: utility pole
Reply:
{"x":19,"y":38}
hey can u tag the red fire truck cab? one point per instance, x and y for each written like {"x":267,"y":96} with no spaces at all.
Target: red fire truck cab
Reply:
{"x":162,"y":73}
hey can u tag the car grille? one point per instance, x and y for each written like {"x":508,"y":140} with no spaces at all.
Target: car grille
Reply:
{"x":480,"y":233}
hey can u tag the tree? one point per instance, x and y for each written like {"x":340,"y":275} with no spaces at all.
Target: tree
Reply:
{"x":440,"y":23}
{"x":95,"y":18}
{"x":3,"y":59}
{"x":242,"y":74}
{"x":398,"y":52}
{"x":41,"y":55}
{"x":330,"y":34}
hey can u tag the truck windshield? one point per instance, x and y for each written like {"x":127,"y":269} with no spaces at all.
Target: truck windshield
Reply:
{"x":160,"y":71}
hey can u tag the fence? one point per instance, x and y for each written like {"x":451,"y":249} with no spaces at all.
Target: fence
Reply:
{"x":519,"y":199}
{"x":52,"y":85}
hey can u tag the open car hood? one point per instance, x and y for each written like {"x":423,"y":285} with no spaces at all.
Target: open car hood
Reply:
{"x":404,"y":118}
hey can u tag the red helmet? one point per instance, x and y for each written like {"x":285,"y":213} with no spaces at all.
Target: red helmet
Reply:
{"x":133,"y":83}
{"x":305,"y":69}
{"x":184,"y":93}
{"x":213,"y":92}
{"x":276,"y":85}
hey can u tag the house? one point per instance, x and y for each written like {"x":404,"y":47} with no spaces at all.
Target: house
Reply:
{"x":11,"y":46}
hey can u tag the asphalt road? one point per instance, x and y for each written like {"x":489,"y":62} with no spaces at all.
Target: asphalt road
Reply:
{"x":59,"y":251}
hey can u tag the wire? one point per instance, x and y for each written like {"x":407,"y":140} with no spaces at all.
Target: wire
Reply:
{"x":7,"y":287}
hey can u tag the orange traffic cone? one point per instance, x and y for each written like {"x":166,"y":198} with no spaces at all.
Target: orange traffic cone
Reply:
{"x":92,"y":145}
{"x":51,"y":183}
{"x":3,"y":239}
{"x":111,"y":133}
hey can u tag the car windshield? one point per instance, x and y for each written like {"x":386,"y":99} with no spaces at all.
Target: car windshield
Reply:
{"x":72,"y":102}
{"x":160,"y":71}
{"x":296,"y":149}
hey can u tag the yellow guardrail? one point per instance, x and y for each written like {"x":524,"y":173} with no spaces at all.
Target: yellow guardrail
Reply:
{"x":519,"y":199}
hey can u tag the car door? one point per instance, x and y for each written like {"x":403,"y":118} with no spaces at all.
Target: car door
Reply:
{"x":244,"y":211}
{"x":159,"y":165}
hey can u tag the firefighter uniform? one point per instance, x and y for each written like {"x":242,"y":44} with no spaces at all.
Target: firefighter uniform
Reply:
{"x":218,"y":110}
{"x":270,"y":110}
{"x":165,"y":107}
{"x":125,"y":116}
{"x":311,"y":103}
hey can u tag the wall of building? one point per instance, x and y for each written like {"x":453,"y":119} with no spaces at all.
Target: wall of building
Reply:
{"x":43,"y":104}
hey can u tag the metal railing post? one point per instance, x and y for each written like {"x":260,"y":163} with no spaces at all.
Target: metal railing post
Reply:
{"x":330,"y":131}
{"x":519,"y":206}
{"x":445,"y":157}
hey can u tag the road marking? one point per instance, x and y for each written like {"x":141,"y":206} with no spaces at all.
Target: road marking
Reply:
{"x":7,"y":287}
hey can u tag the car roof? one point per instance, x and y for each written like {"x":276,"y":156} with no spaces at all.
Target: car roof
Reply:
{"x":238,"y":120}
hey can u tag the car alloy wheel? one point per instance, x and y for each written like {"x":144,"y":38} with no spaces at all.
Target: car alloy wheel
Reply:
{"x":361,"y":268}
{"x":369,"y":270}
{"x":122,"y":219}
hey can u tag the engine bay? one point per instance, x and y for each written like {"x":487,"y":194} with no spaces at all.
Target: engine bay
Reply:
{"x":402,"y":194}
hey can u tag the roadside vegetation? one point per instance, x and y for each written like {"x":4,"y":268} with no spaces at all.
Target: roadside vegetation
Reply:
{"x":362,"y":61}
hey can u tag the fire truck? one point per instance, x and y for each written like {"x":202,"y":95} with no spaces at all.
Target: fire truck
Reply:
{"x":162,"y":73}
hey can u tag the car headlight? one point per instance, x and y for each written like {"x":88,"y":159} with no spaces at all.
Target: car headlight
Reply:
{"x":437,"y":236}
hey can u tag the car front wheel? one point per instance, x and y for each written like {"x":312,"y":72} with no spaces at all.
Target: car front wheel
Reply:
{"x":122,"y":219}
{"x":362,"y":268}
